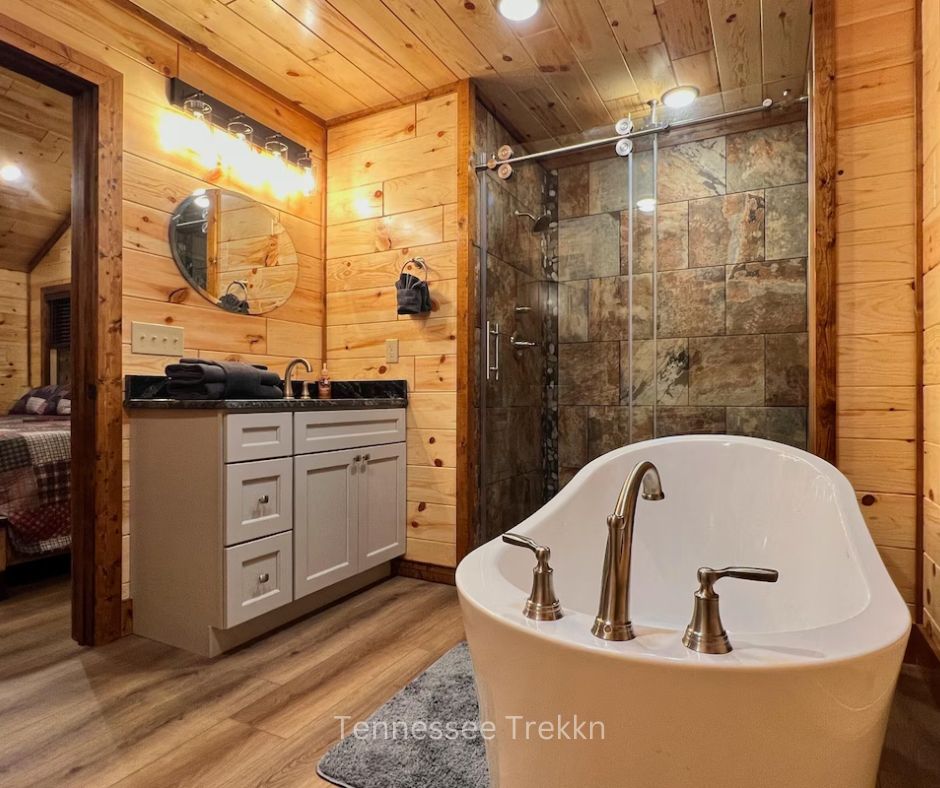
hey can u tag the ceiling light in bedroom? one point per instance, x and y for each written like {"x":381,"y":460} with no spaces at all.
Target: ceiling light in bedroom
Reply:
{"x":11,"y":173}
{"x":681,"y":96}
{"x":646,"y":204}
{"x":518,"y":10}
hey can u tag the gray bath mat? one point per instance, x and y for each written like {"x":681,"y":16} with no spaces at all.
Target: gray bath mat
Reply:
{"x":393,"y":749}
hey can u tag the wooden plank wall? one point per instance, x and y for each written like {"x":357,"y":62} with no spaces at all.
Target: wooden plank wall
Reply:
{"x":156,"y":179}
{"x":392,"y":194}
{"x":54,"y":269}
{"x":930,"y":108}
{"x":876,"y":225}
{"x":14,"y":332}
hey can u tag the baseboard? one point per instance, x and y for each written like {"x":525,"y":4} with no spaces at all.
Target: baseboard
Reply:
{"x":430,"y":572}
{"x":922,"y":649}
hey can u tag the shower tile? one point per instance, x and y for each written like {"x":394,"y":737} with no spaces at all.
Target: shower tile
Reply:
{"x":765,"y":298}
{"x":589,"y":373}
{"x":609,"y":185}
{"x":608,"y":429}
{"x":573,"y":311}
{"x":691,"y":302}
{"x":768,"y":157}
{"x":671,"y":375}
{"x":692,"y":170}
{"x":589,"y":247}
{"x":787,"y":222}
{"x":786,"y":369}
{"x":726,"y":370}
{"x":572,"y":436}
{"x":609,"y":307}
{"x":726,"y":229}
{"x":573,"y":191}
{"x":672,"y":221}
{"x":785,"y":425}
{"x":689,"y":421}
{"x":642,"y":423}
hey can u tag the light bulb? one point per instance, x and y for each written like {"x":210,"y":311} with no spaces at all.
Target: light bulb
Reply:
{"x":681,"y":96}
{"x":11,"y":173}
{"x":518,"y":10}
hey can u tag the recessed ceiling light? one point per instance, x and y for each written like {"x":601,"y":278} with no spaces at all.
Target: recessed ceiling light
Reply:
{"x":518,"y":10}
{"x":10,"y":173}
{"x":646,"y":204}
{"x":681,"y":96}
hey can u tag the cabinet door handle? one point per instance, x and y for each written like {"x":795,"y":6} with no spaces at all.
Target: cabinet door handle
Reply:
{"x":263,"y":499}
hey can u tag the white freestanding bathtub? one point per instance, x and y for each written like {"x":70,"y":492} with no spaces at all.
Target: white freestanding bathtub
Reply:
{"x":803,"y":699}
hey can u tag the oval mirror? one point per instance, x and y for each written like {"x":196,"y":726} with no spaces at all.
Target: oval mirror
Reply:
{"x":234,"y":251}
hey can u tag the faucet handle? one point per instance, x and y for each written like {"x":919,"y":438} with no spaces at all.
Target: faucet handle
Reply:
{"x":705,"y":632}
{"x":542,"y":604}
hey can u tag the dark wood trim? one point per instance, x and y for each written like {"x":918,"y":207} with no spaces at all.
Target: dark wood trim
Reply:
{"x":822,"y":299}
{"x":45,"y":295}
{"x":96,"y":318}
{"x":467,"y":383}
{"x":51,"y":241}
{"x":421,"y":571}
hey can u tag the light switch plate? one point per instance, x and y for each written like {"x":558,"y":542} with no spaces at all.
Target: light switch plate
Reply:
{"x":156,"y":340}
{"x":391,"y":350}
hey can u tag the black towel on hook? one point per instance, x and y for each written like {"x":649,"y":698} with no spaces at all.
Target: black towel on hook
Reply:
{"x":414,"y":297}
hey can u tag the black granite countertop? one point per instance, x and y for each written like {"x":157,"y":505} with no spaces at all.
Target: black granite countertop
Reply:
{"x":148,"y":392}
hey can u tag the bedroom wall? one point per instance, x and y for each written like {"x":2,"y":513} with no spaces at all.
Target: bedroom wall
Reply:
{"x":54,"y":269}
{"x":392,"y":195}
{"x":14,"y":354}
{"x":157,"y":179}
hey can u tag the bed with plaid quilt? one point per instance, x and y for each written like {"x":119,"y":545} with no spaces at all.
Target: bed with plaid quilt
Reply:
{"x":35,"y":460}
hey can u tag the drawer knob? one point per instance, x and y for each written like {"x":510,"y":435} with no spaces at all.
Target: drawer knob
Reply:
{"x":357,"y":458}
{"x":263,"y":499}
{"x":366,"y":457}
{"x":264,"y":577}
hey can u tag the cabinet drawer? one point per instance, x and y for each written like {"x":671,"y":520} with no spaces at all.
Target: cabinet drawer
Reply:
{"x":258,"y":499}
{"x":258,"y":578}
{"x":257,"y":436}
{"x":347,"y":429}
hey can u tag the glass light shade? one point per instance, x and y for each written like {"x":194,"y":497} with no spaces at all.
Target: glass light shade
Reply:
{"x":240,"y":130}
{"x":11,"y":173}
{"x":681,"y":96}
{"x":518,"y":10}
{"x":199,"y":109}
{"x":275,"y":147}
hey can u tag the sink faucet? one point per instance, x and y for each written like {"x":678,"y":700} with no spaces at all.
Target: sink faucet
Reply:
{"x":288,"y":388}
{"x":613,"y":614}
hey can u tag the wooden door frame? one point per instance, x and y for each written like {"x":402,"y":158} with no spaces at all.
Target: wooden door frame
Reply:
{"x":96,"y":473}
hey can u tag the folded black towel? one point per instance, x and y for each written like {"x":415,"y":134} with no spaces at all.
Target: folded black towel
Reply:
{"x":194,"y":378}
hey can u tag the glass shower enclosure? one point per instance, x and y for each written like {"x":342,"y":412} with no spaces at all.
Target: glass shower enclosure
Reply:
{"x":639,"y":288}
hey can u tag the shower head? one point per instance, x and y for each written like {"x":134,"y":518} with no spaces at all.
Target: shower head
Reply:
{"x":539,"y":223}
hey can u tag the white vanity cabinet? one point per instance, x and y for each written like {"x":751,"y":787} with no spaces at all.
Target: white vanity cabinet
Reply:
{"x":244,"y":520}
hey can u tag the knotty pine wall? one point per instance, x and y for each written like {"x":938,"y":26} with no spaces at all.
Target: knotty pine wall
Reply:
{"x":392,"y":195}
{"x":14,"y":333}
{"x":156,"y":180}
{"x":876,"y":226}
{"x":930,"y":107}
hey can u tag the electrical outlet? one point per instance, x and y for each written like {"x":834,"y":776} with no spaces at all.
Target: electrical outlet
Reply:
{"x":391,"y":350}
{"x":156,"y":340}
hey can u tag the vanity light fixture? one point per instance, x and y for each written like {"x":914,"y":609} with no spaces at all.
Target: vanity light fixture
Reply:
{"x":646,"y":204}
{"x":681,"y":96}
{"x":240,"y":130}
{"x":518,"y":10}
{"x":275,"y":146}
{"x":11,"y":173}
{"x":199,"y":109}
{"x":308,"y":169}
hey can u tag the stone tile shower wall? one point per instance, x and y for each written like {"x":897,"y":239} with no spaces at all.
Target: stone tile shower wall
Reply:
{"x":731,"y":354}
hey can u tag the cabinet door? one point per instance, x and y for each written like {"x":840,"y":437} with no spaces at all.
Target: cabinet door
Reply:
{"x":326,"y":513}
{"x":381,"y":504}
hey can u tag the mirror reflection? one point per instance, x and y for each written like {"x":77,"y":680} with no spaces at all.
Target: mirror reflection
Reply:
{"x":234,"y":251}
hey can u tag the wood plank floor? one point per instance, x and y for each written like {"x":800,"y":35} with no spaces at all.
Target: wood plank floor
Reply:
{"x":137,"y":713}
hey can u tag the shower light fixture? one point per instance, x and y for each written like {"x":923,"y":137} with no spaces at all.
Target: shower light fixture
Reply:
{"x":11,"y":173}
{"x":518,"y":10}
{"x":646,"y":204}
{"x":681,"y":96}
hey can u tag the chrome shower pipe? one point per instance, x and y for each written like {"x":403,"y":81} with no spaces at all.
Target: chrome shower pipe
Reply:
{"x":587,"y":145}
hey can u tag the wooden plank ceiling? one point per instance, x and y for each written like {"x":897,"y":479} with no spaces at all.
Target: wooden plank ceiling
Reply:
{"x":574,"y":66}
{"x":36,"y":135}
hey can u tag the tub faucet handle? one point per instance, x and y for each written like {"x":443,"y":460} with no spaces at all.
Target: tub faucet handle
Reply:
{"x":542,"y":604}
{"x":705,"y":632}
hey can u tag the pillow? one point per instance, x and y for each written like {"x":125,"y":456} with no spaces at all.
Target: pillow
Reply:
{"x":44,"y":400}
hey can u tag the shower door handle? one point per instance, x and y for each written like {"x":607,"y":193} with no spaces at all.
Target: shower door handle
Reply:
{"x":492,"y":357}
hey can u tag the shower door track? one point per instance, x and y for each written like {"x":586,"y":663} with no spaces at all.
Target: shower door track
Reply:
{"x":766,"y":106}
